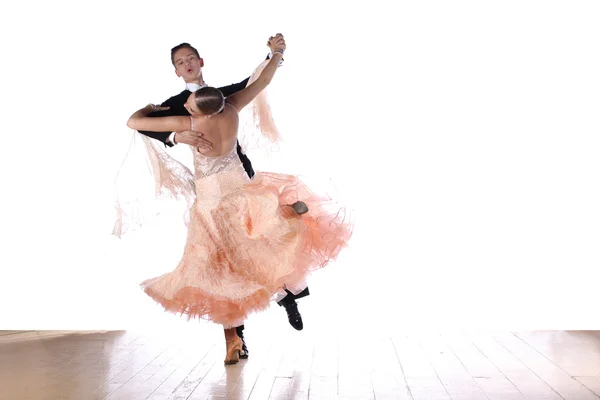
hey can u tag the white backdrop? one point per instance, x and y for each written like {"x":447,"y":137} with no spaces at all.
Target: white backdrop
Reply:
{"x":464,"y":135}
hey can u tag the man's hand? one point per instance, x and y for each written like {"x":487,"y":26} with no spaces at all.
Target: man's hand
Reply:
{"x":276,"y":43}
{"x":194,"y":139}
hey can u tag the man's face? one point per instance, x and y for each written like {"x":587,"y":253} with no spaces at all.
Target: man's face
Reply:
{"x":187,"y":64}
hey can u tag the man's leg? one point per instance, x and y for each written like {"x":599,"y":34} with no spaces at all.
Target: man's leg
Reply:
{"x":287,"y":299}
{"x":240,"y":333}
{"x":245,"y":161}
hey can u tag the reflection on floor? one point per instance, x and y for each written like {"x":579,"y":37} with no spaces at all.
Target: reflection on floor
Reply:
{"x":285,"y":364}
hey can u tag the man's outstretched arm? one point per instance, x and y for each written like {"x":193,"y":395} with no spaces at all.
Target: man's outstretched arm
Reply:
{"x":163,"y":136}
{"x":233,"y":88}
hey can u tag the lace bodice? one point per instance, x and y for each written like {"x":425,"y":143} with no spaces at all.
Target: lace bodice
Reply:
{"x":205,"y":166}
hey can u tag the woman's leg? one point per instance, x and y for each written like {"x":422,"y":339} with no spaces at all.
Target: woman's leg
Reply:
{"x":234,"y":346}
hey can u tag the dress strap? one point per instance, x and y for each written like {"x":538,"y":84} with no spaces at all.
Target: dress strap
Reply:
{"x":232,"y":106}
{"x":191,"y":123}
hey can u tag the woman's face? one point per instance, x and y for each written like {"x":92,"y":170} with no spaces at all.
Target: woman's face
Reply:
{"x":190,"y":105}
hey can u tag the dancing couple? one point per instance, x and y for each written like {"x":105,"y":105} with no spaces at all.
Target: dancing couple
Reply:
{"x":252,"y":237}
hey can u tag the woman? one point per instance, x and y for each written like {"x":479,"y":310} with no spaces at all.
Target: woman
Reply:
{"x":247,"y":239}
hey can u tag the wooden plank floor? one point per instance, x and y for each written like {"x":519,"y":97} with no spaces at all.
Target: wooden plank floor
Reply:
{"x":285,"y":364}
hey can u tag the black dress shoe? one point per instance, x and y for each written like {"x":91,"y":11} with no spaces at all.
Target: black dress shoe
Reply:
{"x":300,"y":207}
{"x":294,"y":317}
{"x":240,"y":332}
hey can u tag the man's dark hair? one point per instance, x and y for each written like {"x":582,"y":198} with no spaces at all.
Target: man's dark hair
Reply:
{"x":183,"y":46}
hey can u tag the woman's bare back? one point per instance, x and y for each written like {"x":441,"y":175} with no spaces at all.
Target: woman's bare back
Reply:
{"x":219,"y":129}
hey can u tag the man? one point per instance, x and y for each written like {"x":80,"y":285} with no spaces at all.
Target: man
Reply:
{"x":188,"y":65}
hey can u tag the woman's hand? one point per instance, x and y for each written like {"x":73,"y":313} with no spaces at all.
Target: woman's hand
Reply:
{"x":149,"y":109}
{"x":158,"y":108}
{"x":277,"y":44}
